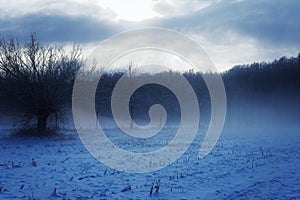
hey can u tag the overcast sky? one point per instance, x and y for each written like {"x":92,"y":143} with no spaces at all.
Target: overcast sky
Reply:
{"x":231,"y":31}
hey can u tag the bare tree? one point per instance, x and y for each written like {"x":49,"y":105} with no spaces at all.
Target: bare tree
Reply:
{"x":38,"y":79}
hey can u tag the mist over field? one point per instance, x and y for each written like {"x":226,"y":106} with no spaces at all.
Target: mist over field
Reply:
{"x":152,"y":99}
{"x":257,"y":152}
{"x":261,"y":97}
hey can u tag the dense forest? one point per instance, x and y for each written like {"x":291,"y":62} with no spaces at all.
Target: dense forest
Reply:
{"x":264,"y":94}
{"x":258,"y":94}
{"x":36,"y":83}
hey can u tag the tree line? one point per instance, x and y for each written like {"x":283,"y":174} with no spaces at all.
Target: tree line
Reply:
{"x":36,"y":82}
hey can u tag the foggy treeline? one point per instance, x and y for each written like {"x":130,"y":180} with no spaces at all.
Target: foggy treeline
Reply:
{"x":258,"y":94}
{"x":36,"y":83}
{"x":264,"y":94}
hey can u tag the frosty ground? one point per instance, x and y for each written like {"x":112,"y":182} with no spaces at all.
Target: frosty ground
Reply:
{"x":241,"y":166}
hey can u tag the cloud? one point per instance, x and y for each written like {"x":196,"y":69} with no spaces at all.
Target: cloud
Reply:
{"x":58,"y":28}
{"x":271,"y":22}
{"x":173,"y":8}
{"x":232,"y":31}
{"x":57,"y":21}
{"x":235,"y":32}
{"x":90,"y":8}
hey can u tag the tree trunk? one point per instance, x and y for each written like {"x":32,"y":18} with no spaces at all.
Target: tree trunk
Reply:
{"x":42,"y":123}
{"x":56,"y":120}
{"x":131,"y":116}
{"x":160,"y":118}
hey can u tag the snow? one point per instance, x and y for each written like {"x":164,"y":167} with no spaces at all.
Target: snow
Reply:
{"x":241,"y":166}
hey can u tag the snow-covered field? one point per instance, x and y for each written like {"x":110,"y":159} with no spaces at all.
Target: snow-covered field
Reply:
{"x":239,"y":167}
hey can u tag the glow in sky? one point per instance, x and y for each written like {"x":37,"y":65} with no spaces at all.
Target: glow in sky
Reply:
{"x":231,"y":31}
{"x":134,"y":10}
